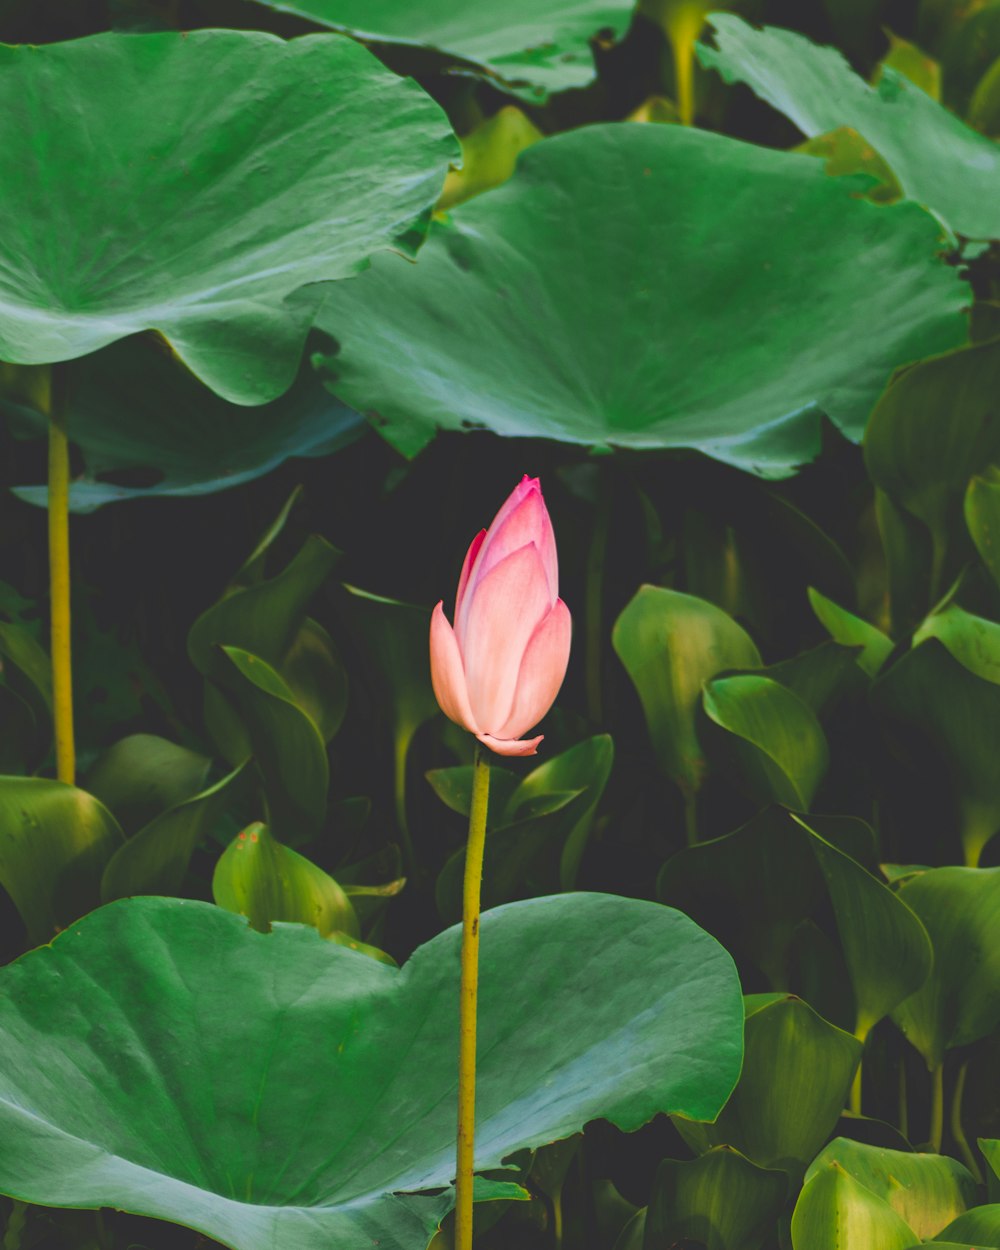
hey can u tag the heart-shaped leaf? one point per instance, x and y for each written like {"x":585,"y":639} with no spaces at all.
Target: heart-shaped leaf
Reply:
{"x":926,"y":1190}
{"x":453,"y":342}
{"x":772,"y":736}
{"x":944,"y":718}
{"x":789,"y":1048}
{"x":142,"y":776}
{"x":938,"y":160}
{"x":259,"y":878}
{"x":834,"y":1210}
{"x":671,"y":644}
{"x":288,"y":1091}
{"x":247,"y":188}
{"x":720,"y":1200}
{"x":134,"y":407}
{"x":960,"y":1002}
{"x":537,"y":48}
{"x":54,"y":843}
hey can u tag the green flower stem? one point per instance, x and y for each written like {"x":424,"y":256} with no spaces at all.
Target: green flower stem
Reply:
{"x":937,"y":1108}
{"x":467,"y":1003}
{"x":59,"y":593}
{"x":957,"y":1132}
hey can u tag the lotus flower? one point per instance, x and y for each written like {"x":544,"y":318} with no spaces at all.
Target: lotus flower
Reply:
{"x":499,"y":670}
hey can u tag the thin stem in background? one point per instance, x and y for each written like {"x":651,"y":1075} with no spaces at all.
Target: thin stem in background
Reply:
{"x":59,"y":582}
{"x":937,"y":1108}
{"x":957,"y":1132}
{"x":854,"y":1104}
{"x":467,"y":1002}
{"x":401,"y":751}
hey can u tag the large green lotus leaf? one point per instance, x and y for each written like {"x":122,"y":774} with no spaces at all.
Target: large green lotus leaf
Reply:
{"x":939,"y":161}
{"x":933,"y":428}
{"x":773,"y":738}
{"x":671,"y":644}
{"x":753,"y":888}
{"x":540,"y":48}
{"x":834,"y":1211}
{"x":960,"y":1002}
{"x":521,"y":318}
{"x":271,"y":165}
{"x":134,"y":407}
{"x":942,"y":716}
{"x":54,"y":843}
{"x":288,"y":1091}
{"x":796,"y":1074}
{"x":927,"y":1190}
{"x":154,"y":860}
{"x":720,"y":1200}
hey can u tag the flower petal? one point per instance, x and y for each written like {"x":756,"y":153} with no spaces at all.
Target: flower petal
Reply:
{"x":470,"y":559}
{"x":527,"y":523}
{"x":502,"y":612}
{"x":511,"y":746}
{"x":542,"y":671}
{"x":448,"y":674}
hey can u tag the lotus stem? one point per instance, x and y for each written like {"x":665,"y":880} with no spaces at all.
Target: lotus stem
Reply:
{"x":854,"y":1103}
{"x":937,"y":1108}
{"x":957,"y":1132}
{"x":59,"y":584}
{"x":467,"y":1003}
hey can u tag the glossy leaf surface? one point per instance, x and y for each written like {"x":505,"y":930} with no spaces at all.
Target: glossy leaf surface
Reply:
{"x":289,"y":1090}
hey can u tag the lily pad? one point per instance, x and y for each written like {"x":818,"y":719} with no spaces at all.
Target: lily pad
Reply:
{"x":631,"y":334}
{"x":289,"y":1091}
{"x":939,"y":161}
{"x":138,"y":416}
{"x":271,"y":165}
{"x":541,"y":48}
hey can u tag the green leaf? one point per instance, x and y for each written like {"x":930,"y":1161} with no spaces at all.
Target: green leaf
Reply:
{"x":981,"y":1226}
{"x":286,"y":743}
{"x":913,"y":63}
{"x":851,"y":631}
{"x":721,"y":1200}
{"x":261,"y":879}
{"x":54,"y":843}
{"x":886,"y":948}
{"x":933,"y":428}
{"x":671,"y":644}
{"x":752,"y":888}
{"x":823,"y":677}
{"x":265,"y":617}
{"x":834,"y":1210}
{"x":156,"y":859}
{"x":134,"y":407}
{"x":960,"y":1002}
{"x":972,"y":640}
{"x":774,"y":738}
{"x":844,"y":151}
{"x":288,"y":1092}
{"x":942,"y":717}
{"x":792,"y":1051}
{"x":489,"y":154}
{"x":982,"y":516}
{"x":939,"y":161}
{"x":200,"y":228}
{"x":990,"y":1148}
{"x":925,"y":1190}
{"x":141,"y":776}
{"x":452,"y":342}
{"x":453,"y":786}
{"x":535,"y":49}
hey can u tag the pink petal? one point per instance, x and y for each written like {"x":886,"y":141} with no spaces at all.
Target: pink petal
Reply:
{"x":511,"y":746}
{"x":502,"y":612}
{"x":463,"y":581}
{"x":527,"y":523}
{"x":447,"y":673}
{"x":542,"y":671}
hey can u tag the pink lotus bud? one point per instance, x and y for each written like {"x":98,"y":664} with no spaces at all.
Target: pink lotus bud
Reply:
{"x":499,"y":670}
